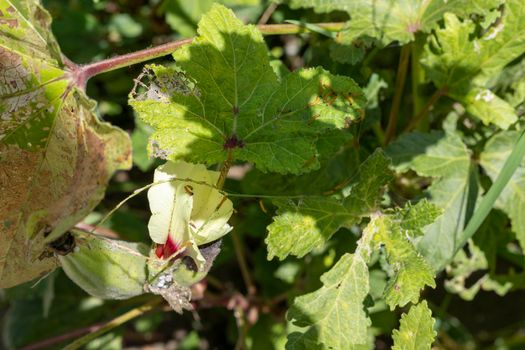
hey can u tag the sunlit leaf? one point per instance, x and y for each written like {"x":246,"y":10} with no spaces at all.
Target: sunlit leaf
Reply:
{"x":410,"y":272}
{"x":55,"y":156}
{"x":303,"y":225}
{"x":462,"y":61}
{"x":416,"y":330}
{"x":445,"y":159}
{"x":224,"y":100}
{"x":333,"y":317}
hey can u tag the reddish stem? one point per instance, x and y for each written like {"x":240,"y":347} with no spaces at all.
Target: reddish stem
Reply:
{"x":80,"y":74}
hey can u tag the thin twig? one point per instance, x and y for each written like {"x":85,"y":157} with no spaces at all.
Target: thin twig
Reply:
{"x":398,"y":93}
{"x":103,"y":231}
{"x":46,"y":343}
{"x":241,"y":258}
{"x":268,"y":13}
{"x":138,"y":311}
{"x":433,"y":99}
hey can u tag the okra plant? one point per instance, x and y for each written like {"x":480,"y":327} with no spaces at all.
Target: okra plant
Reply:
{"x":347,"y":194}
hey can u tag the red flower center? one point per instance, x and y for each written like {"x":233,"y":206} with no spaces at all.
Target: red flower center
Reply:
{"x":164,"y":251}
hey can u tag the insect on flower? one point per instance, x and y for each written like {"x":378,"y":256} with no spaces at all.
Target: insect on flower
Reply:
{"x":187,"y":211}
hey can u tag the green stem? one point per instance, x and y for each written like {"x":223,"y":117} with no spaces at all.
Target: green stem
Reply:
{"x":138,"y":311}
{"x":416,"y":120}
{"x":245,"y":271}
{"x":225,"y":167}
{"x":417,"y":74}
{"x":81,"y":74}
{"x":400,"y":84}
{"x":509,"y":168}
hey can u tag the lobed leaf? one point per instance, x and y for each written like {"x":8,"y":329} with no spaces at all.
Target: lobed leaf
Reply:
{"x":462,"y":62}
{"x":445,"y":158}
{"x":411,"y":272}
{"x":302,"y":226}
{"x":387,"y":21}
{"x":416,"y":330}
{"x":224,"y":100}
{"x":333,"y":317}
{"x":469,"y":266}
{"x":55,"y":156}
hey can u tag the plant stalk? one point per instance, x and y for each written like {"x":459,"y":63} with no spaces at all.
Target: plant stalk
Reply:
{"x":417,"y":75}
{"x":400,"y":84}
{"x":138,"y":311}
{"x":421,"y":114}
{"x":82,"y":73}
{"x":241,"y":258}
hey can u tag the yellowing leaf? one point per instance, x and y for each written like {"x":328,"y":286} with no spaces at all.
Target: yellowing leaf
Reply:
{"x":55,"y":156}
{"x":416,"y":331}
{"x":411,"y":273}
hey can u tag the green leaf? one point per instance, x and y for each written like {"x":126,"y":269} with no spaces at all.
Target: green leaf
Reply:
{"x":339,"y":161}
{"x":416,"y":330}
{"x":106,"y":268}
{"x":462,"y":61}
{"x":445,"y":158}
{"x":333,"y":317}
{"x":411,"y":272}
{"x":308,"y":223}
{"x":412,"y":218}
{"x":139,"y":140}
{"x":229,"y":101}
{"x":182,"y":16}
{"x":392,"y":20}
{"x":512,"y":199}
{"x":55,"y":156}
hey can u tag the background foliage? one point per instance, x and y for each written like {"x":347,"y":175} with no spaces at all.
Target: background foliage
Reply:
{"x":465,"y":57}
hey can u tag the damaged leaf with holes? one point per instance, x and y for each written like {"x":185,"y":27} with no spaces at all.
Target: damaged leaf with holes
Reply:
{"x":395,"y":234}
{"x":55,"y":156}
{"x":223,"y":101}
{"x":463,"y":62}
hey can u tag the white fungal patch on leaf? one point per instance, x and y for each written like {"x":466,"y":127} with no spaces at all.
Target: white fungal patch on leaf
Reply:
{"x":495,"y":31}
{"x":485,"y":95}
{"x":149,"y":86}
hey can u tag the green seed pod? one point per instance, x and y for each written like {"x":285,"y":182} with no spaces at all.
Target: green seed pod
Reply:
{"x":107,"y":268}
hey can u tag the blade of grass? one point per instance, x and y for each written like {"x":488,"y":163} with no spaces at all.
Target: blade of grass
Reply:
{"x":511,"y":165}
{"x":138,"y":311}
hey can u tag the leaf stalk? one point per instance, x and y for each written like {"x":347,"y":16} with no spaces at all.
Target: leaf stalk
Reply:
{"x":399,"y":87}
{"x":83,"y":73}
